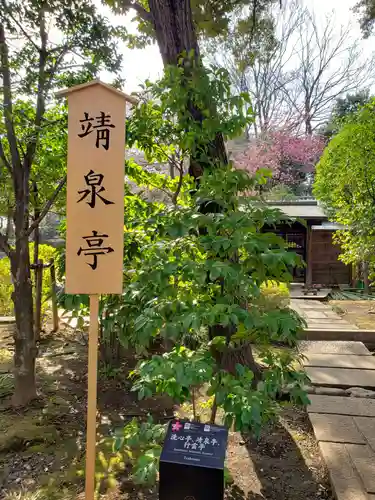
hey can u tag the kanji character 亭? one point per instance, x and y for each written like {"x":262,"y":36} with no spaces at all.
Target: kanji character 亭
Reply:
{"x":95,"y":248}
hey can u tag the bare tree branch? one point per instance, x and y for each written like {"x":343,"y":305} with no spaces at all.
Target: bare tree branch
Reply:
{"x":8,"y":12}
{"x":7,"y":98}
{"x":40,"y":102}
{"x":295,"y":83}
{"x":330,"y":65}
{"x":141,"y":11}
{"x":265,"y":77}
{"x":46,"y":207}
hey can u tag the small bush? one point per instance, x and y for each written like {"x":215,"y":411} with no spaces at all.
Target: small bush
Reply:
{"x":275,"y":294}
{"x":6,"y":288}
{"x":273,"y":289}
{"x":46,"y":253}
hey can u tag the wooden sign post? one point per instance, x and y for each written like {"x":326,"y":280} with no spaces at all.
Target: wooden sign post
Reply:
{"x":95,"y":217}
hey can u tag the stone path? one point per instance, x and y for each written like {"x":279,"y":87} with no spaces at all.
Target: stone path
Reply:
{"x":7,"y":320}
{"x":344,"y":425}
{"x":320,"y":316}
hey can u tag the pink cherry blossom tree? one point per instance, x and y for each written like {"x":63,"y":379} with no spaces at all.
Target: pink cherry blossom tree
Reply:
{"x":291,"y":158}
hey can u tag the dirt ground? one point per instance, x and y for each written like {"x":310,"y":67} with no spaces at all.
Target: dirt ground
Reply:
{"x":42,"y":448}
{"x":357,"y":312}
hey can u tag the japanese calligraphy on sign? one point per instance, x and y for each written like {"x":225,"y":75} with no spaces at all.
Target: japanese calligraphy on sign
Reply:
{"x":103,"y":126}
{"x":95,"y":189}
{"x":200,"y":444}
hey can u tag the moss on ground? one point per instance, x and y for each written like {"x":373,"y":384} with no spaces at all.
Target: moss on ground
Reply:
{"x":22,"y":434}
{"x":19,"y":434}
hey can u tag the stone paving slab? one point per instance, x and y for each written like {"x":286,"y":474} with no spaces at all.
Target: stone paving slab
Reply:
{"x":341,"y":377}
{"x":367,"y":427}
{"x":7,"y":320}
{"x":320,"y":315}
{"x":307,"y":304}
{"x":308,"y":347}
{"x":320,"y":334}
{"x":359,"y":407}
{"x":336,"y":428}
{"x":348,"y":361}
{"x":345,"y":479}
{"x":331,"y":325}
{"x":326,"y":321}
{"x":363,"y":459}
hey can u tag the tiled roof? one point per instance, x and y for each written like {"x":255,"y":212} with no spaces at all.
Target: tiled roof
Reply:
{"x":303,"y":209}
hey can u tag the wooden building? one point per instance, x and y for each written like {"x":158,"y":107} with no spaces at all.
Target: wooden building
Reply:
{"x":314,"y":243}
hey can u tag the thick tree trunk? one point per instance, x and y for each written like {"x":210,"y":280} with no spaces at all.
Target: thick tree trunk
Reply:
{"x":25,"y":349}
{"x":175,"y":34}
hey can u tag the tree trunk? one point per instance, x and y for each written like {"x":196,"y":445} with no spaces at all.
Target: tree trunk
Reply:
{"x":36,"y":237}
{"x":175,"y":34}
{"x":308,"y":125}
{"x":366,"y":279}
{"x":25,"y":349}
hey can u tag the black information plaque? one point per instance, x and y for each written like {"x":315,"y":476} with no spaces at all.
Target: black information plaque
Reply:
{"x":192,"y":462}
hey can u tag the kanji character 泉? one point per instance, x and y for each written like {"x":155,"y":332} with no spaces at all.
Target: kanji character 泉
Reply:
{"x":94,"y":183}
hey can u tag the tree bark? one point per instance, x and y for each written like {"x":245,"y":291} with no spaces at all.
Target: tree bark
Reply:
{"x":25,"y":349}
{"x":175,"y":33}
{"x":36,"y":237}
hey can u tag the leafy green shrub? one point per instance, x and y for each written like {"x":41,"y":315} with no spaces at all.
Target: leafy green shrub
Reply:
{"x":197,"y":267}
{"x":138,"y":447}
{"x":46,"y":253}
{"x":275,"y":288}
{"x":344,"y":182}
{"x":6,"y":288}
{"x":276,"y":294}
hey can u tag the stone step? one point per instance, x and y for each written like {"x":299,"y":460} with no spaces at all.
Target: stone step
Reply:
{"x":338,"y":334}
{"x":348,"y":361}
{"x":344,"y":478}
{"x":363,"y":459}
{"x":7,"y":320}
{"x":341,"y":377}
{"x":330,"y":325}
{"x":336,"y":428}
{"x":308,"y":347}
{"x":357,"y":407}
{"x":367,"y":427}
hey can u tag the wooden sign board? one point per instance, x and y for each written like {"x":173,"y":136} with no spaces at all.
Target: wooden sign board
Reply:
{"x":192,"y":462}
{"x":95,"y":217}
{"x":95,"y":189}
